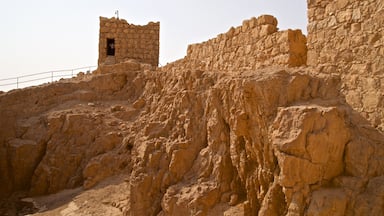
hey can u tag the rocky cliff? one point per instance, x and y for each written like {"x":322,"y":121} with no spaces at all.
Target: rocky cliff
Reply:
{"x":274,"y":141}
{"x":232,"y":129}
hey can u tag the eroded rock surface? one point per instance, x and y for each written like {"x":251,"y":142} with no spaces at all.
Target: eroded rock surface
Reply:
{"x":223,"y":131}
{"x":265,"y":142}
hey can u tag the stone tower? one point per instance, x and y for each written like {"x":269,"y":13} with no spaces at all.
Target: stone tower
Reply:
{"x":120,"y":41}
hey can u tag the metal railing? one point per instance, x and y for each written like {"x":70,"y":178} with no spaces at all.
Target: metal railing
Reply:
{"x":40,"y":78}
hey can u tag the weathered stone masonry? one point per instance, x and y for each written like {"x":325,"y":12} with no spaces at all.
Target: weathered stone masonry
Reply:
{"x":346,"y":37}
{"x":255,"y":44}
{"x":129,"y":42}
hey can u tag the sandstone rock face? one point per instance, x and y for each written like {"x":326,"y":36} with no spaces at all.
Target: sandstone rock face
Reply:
{"x":198,"y":138}
{"x":51,"y":134}
{"x":270,"y":142}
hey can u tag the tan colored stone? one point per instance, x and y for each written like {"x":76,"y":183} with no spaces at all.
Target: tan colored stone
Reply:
{"x":371,"y":101}
{"x":24,"y":155}
{"x":295,"y":170}
{"x":371,"y":200}
{"x":328,"y":202}
{"x":247,"y":47}
{"x":213,"y":133}
{"x":267,"y":29}
{"x":345,"y":35}
{"x":120,"y":30}
{"x":267,"y":20}
{"x":342,"y":3}
{"x":241,"y":209}
{"x":344,"y":16}
{"x":356,"y":27}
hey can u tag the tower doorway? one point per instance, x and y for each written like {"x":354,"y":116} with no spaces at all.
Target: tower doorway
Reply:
{"x":110,"y":47}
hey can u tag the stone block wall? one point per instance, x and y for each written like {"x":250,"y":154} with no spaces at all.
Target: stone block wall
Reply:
{"x":135,"y":42}
{"x":347,"y":37}
{"x":255,"y":44}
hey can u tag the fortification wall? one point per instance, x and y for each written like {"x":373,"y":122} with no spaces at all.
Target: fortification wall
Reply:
{"x":346,"y":37}
{"x":255,"y":44}
{"x":136,"y":42}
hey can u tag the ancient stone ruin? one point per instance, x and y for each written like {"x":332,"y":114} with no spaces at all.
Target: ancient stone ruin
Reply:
{"x":257,"y":121}
{"x":120,"y":41}
{"x":255,"y":44}
{"x":345,"y":37}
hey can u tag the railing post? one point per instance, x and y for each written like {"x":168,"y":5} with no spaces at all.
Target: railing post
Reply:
{"x":24,"y":79}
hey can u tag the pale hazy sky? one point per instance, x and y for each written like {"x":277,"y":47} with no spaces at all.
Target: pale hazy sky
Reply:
{"x":44,"y":35}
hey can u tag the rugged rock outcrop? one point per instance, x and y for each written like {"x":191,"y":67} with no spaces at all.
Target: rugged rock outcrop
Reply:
{"x":220,"y":132}
{"x":265,"y":142}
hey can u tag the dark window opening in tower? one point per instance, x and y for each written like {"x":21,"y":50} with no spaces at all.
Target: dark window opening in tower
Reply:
{"x":110,"y":46}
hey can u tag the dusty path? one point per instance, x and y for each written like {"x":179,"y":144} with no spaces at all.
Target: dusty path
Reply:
{"x":110,"y":197}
